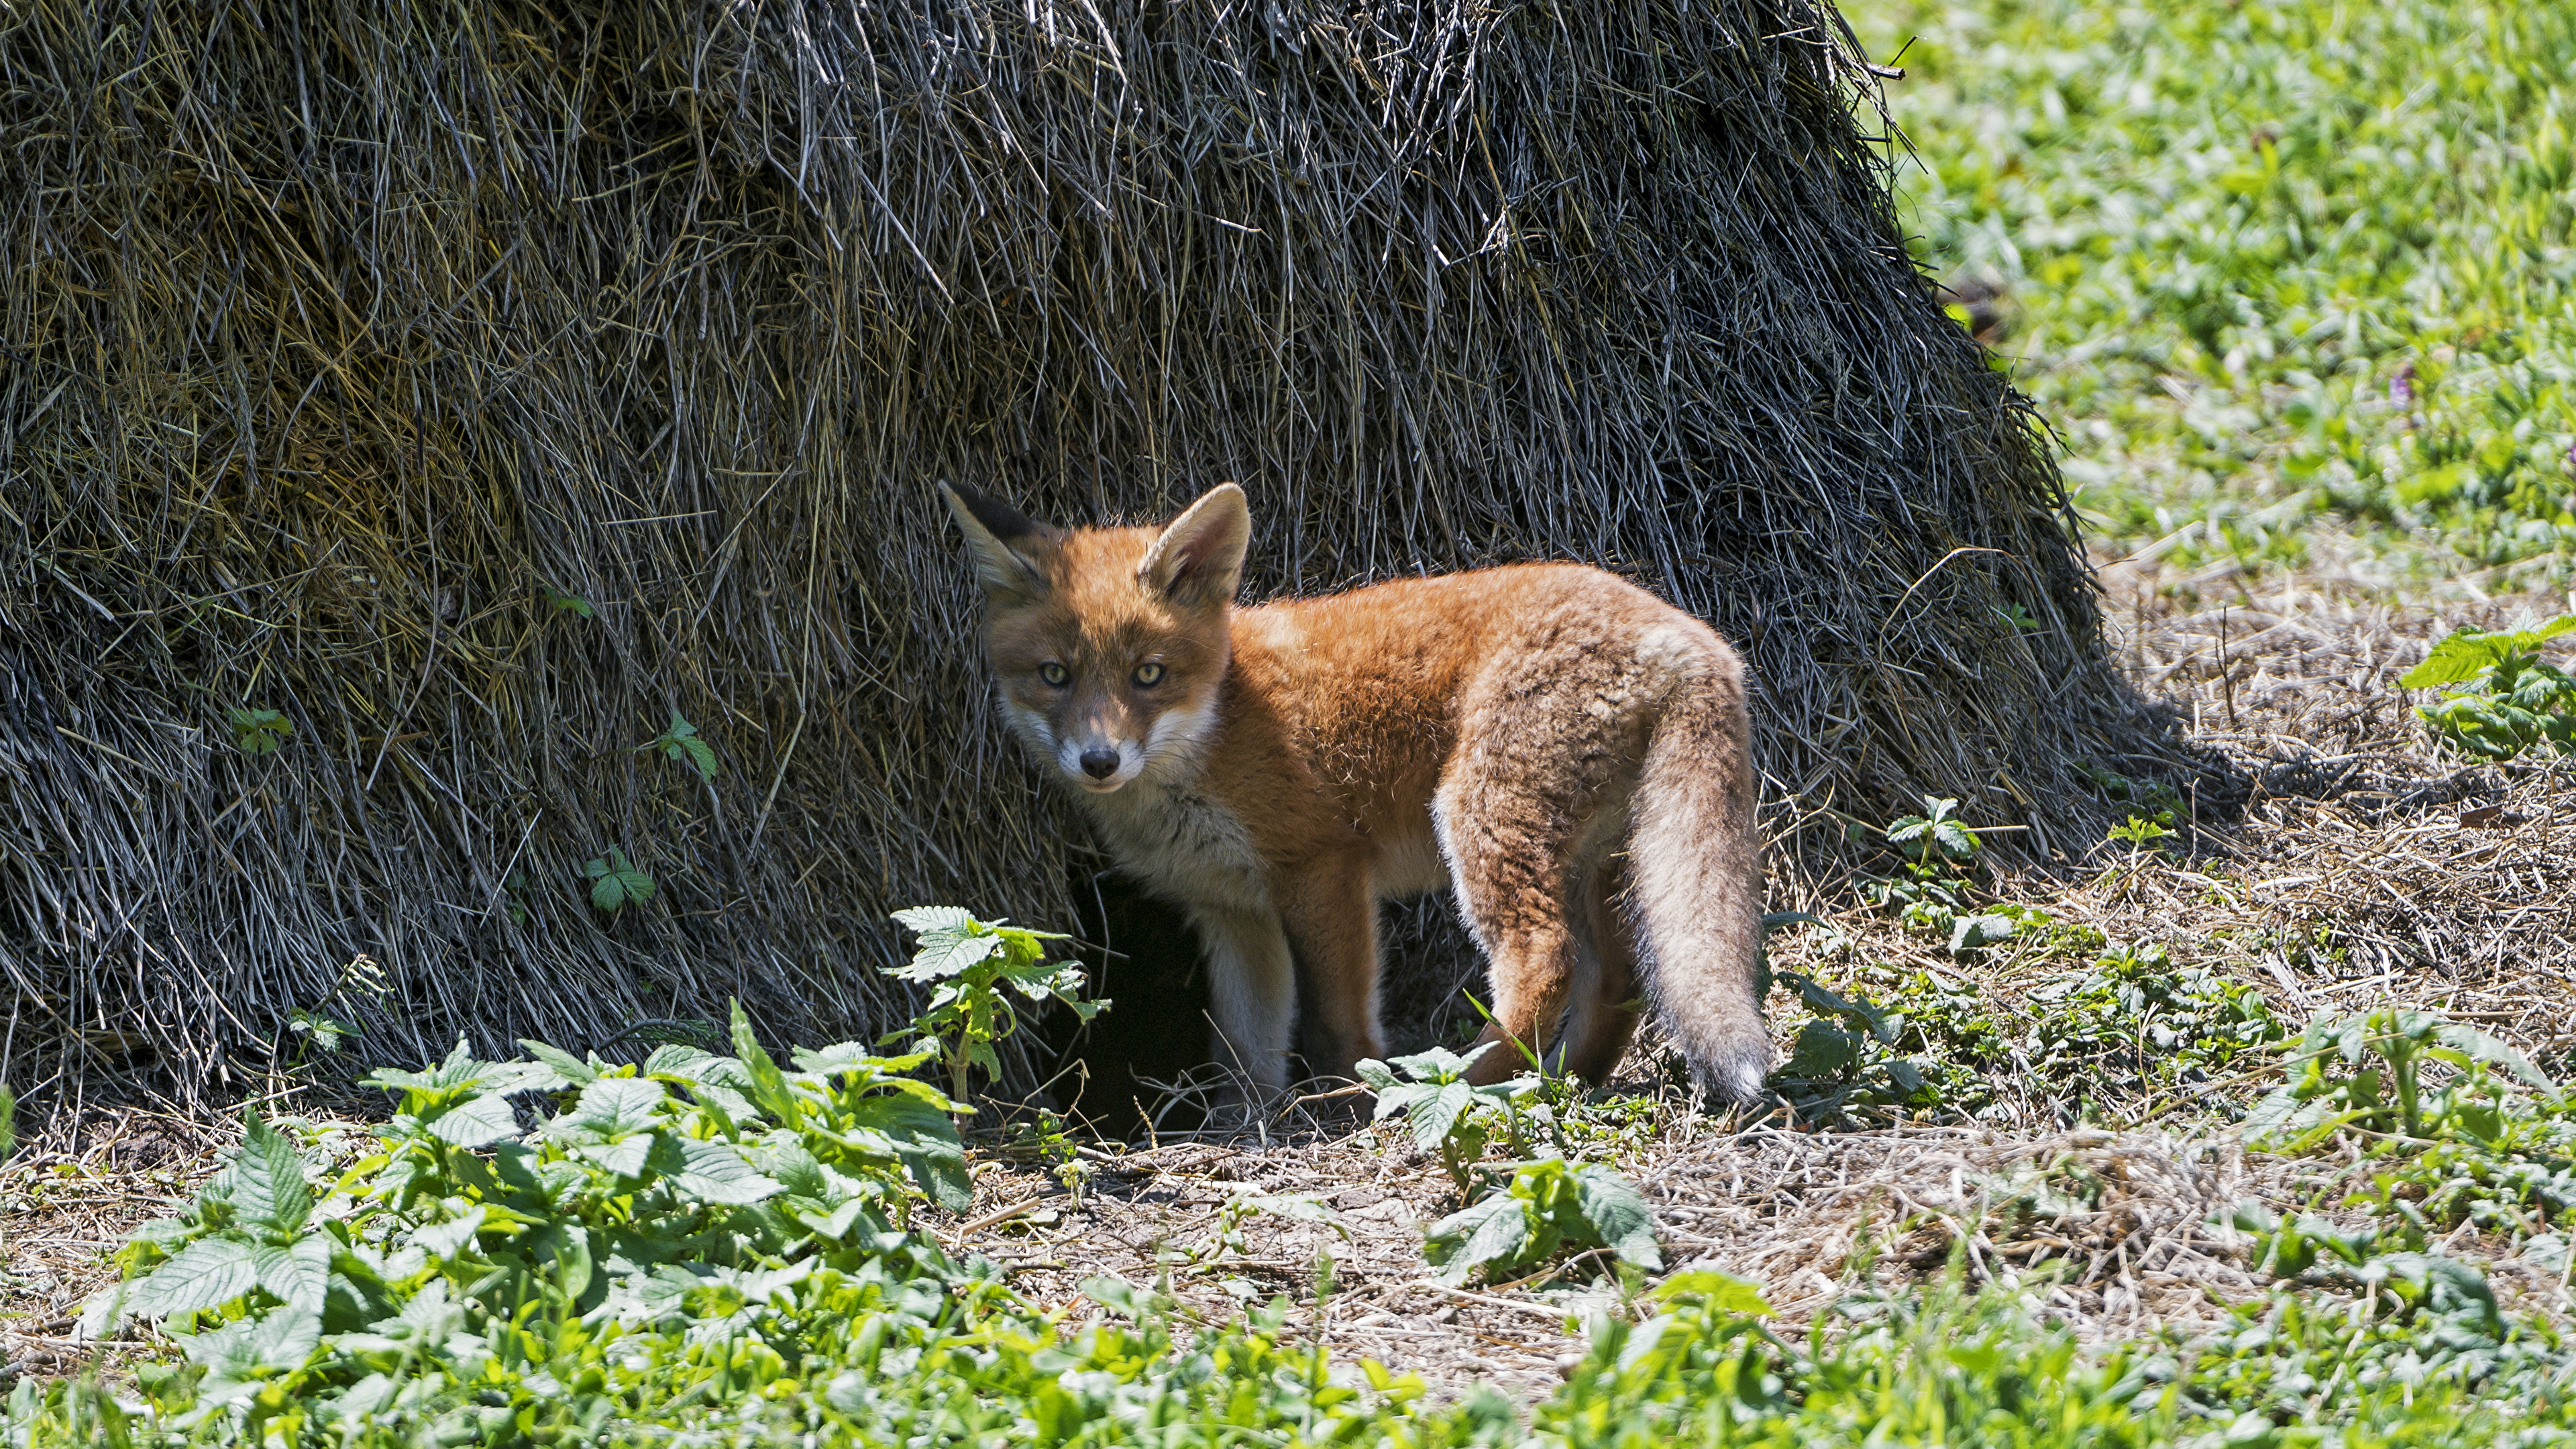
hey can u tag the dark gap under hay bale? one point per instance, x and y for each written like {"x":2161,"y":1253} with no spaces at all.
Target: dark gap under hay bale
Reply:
{"x":476,"y":385}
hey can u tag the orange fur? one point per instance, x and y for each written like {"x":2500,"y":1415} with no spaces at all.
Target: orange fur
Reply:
{"x":1567,"y":751}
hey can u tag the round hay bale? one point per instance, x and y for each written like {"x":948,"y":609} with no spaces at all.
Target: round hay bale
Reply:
{"x":412,"y":416}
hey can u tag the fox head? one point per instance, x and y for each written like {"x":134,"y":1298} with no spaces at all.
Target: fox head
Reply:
{"x":1108,"y":644}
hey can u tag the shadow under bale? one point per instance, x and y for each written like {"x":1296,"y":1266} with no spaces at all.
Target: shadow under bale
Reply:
{"x":424,"y":429}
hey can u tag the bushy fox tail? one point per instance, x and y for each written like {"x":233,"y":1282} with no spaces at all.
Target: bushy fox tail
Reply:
{"x":1695,"y":867}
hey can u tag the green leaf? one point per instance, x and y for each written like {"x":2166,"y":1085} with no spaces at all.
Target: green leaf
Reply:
{"x":716,"y":1172}
{"x":238,"y":1356}
{"x":1120,"y":1296}
{"x":835,"y":1224}
{"x":571,"y":1068}
{"x":326,"y":1033}
{"x":259,"y":731}
{"x":474,"y":1122}
{"x":1717,"y":1290}
{"x":1907,"y":1077}
{"x":2478,"y":1046}
{"x":454,"y":1236}
{"x":768,"y":1085}
{"x":566,"y":1247}
{"x":720,"y":1082}
{"x":1860,"y":1013}
{"x":947,"y":950}
{"x":1488,"y":1230}
{"x":613,"y":1107}
{"x":625,"y":1156}
{"x":266,"y":1182}
{"x":1618,"y":1213}
{"x":207,"y":1273}
{"x":922,"y":920}
{"x":2468,"y":653}
{"x":925,"y":1139}
{"x":1434,"y":1114}
{"x":299,"y":1275}
{"x":1822,"y":1050}
{"x":680,"y":741}
{"x":616,"y":882}
{"x":1970,"y":932}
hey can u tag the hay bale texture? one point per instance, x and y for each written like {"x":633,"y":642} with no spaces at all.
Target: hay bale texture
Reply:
{"x":476,"y":384}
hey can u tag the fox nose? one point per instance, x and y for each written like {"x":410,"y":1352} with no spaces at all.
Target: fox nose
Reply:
{"x":1100,"y":764}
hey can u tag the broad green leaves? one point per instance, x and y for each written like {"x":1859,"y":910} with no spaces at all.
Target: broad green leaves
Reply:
{"x":265,"y":1184}
{"x":1520,"y":1215}
{"x":259,"y":731}
{"x":968,"y":964}
{"x":2504,"y":699}
{"x":2490,"y":1140}
{"x":2382,"y":1096}
{"x":2468,"y":653}
{"x":1546,"y":1207}
{"x":1445,"y":1114}
{"x":1845,"y":1054}
{"x":207,"y":1273}
{"x":616,"y":882}
{"x":1935,"y":835}
{"x":704,"y":1190}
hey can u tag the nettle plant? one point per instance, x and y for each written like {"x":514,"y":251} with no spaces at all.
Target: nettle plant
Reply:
{"x":1929,"y":889}
{"x":1847,"y":1057}
{"x":2501,"y":698}
{"x":2455,"y":1125}
{"x":1544,"y":1209}
{"x":1520,"y":1216}
{"x":2136,"y":1029}
{"x":1448,"y":1115}
{"x":473,"y":1277}
{"x":967,"y":963}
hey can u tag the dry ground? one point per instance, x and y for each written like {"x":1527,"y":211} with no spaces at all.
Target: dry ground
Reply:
{"x":2362,"y":869}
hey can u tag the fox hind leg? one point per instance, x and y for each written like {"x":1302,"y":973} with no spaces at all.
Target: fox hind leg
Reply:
{"x":1331,"y":919}
{"x":1602,"y":1018}
{"x":1510,"y":857}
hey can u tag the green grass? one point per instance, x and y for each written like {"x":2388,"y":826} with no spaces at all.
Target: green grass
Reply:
{"x":2269,"y":261}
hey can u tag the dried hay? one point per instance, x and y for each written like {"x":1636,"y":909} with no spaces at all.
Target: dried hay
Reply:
{"x":348,"y":345}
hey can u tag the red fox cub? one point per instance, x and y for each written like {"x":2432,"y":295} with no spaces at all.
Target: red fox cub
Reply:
{"x":1569,"y":752}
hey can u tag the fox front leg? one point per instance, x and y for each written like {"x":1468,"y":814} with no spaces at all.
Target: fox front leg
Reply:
{"x":1253,"y":991}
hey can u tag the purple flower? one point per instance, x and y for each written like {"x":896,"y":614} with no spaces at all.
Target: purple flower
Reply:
{"x":2401,"y":387}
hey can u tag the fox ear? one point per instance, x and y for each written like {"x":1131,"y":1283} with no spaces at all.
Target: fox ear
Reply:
{"x":1011,"y":552}
{"x":1198,"y":560}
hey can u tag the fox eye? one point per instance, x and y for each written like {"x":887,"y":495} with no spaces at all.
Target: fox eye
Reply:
{"x":1054,"y":673}
{"x":1149,"y":674}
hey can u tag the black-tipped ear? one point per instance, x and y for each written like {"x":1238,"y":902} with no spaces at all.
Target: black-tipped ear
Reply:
{"x":1010,"y":551}
{"x":1198,"y":560}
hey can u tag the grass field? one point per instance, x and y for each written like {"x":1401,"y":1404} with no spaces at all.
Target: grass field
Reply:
{"x":2269,"y":265}
{"x":2289,"y":279}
